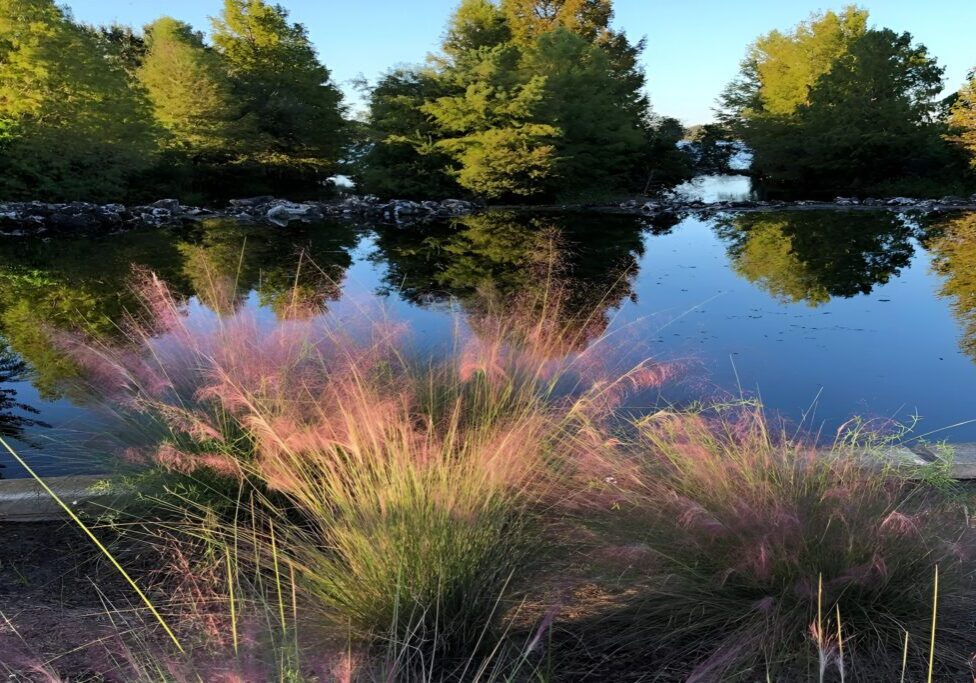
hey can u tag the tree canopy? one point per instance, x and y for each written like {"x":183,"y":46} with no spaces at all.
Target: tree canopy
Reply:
{"x":71,"y":125}
{"x":279,"y":82}
{"x":838,"y":107}
{"x":190,"y":92}
{"x":525,"y":100}
{"x":962,"y":118}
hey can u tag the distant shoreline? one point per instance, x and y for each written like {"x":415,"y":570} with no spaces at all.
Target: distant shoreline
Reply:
{"x":28,"y":219}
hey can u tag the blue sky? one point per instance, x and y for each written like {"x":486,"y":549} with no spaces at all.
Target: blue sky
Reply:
{"x":693,"y":46}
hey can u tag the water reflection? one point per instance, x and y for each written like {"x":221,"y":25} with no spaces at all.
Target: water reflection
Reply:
{"x":689,"y":279}
{"x":952,"y":243}
{"x":813,"y":256}
{"x":83,"y":285}
{"x":15,"y":415}
{"x":488,"y":262}
{"x":295,"y":272}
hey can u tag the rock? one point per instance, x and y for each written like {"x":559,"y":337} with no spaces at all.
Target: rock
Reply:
{"x":279,"y":215}
{"x":650,"y":207}
{"x":900,"y":201}
{"x":251,"y":201}
{"x":845,"y":201}
{"x":630,"y":204}
{"x":403,"y":207}
{"x":457,"y":207}
{"x":171,"y":205}
{"x":952,"y":199}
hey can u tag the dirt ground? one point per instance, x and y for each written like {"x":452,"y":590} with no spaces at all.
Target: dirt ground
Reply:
{"x":55,"y":597}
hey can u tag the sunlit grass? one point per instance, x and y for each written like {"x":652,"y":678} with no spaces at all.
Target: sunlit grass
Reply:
{"x":330,"y":506}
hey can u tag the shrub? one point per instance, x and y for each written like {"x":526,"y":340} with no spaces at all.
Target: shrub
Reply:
{"x":738,"y":536}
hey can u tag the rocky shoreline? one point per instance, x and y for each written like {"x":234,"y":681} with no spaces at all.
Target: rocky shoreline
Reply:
{"x":897,"y":204}
{"x":40,"y":218}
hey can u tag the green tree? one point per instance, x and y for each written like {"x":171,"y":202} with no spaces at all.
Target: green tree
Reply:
{"x":190,"y":92}
{"x":962,"y":119}
{"x":493,"y":128}
{"x":529,"y":100}
{"x":71,"y":127}
{"x":836,"y":107}
{"x":400,"y":156}
{"x":280,"y":82}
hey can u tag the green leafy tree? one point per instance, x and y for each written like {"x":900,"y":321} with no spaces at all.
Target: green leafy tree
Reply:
{"x":121,"y":45}
{"x":836,"y":107}
{"x":400,"y":156}
{"x":493,"y":128}
{"x":528,"y":100}
{"x":190,"y":92}
{"x":962,"y":119}
{"x":280,"y":82}
{"x":71,"y":127}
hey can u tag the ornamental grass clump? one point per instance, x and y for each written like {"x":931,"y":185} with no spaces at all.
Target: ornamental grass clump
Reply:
{"x":767,"y":558}
{"x":390,"y":498}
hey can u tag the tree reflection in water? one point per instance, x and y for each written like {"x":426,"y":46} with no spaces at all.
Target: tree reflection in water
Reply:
{"x":492,"y":262}
{"x":813,"y":256}
{"x":952,"y":243}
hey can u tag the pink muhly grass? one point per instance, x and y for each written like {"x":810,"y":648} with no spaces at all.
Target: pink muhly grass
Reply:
{"x":737,"y":517}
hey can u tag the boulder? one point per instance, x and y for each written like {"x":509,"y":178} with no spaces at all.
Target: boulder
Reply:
{"x":171,"y":205}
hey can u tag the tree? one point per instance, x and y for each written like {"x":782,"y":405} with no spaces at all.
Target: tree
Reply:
{"x":190,"y":93}
{"x":400,"y":157}
{"x":962,"y":119}
{"x":837,"y":107}
{"x":280,"y":82}
{"x":70,"y":125}
{"x":492,"y":128}
{"x":527,"y":100}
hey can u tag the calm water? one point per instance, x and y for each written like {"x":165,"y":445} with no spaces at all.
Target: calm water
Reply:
{"x":823,"y":315}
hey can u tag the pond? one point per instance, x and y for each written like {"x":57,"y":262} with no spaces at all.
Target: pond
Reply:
{"x":820,"y":315}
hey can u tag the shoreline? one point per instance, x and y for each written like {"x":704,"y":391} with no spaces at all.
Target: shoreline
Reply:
{"x":29,"y":219}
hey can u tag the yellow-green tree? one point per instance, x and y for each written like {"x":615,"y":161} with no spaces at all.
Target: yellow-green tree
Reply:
{"x":837,"y":107}
{"x":962,"y":118}
{"x":71,"y":127}
{"x":191,"y":93}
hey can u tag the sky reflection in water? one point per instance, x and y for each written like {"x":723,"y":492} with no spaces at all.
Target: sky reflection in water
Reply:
{"x":821,"y":314}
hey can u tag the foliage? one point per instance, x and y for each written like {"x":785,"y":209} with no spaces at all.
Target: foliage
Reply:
{"x":962,"y":118}
{"x":835,"y":107}
{"x":526,"y":100}
{"x":70,"y":128}
{"x":281,"y":86}
{"x":190,"y":93}
{"x":400,"y":157}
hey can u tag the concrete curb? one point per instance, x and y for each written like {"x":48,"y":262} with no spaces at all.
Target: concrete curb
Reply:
{"x":23,"y":500}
